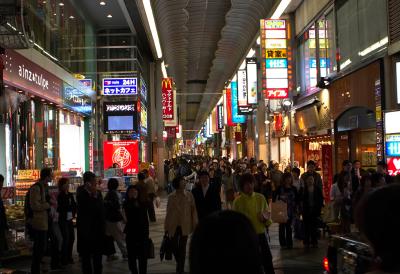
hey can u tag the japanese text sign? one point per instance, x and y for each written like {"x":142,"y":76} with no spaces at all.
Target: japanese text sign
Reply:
{"x":167,"y":99}
{"x":123,"y":153}
{"x":120,"y":86}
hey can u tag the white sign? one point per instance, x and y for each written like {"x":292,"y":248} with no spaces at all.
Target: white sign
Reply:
{"x":278,"y":73}
{"x":392,"y":124}
{"x":398,"y":81}
{"x":242,"y":88}
{"x":277,"y":83}
{"x":252,"y":82}
{"x":275,"y":43}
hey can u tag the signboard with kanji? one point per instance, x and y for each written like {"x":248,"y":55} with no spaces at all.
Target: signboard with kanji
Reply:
{"x":120,"y":86}
{"x":167,"y":99}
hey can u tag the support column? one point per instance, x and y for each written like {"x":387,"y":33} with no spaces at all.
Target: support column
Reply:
{"x":159,"y":125}
{"x":261,"y":128}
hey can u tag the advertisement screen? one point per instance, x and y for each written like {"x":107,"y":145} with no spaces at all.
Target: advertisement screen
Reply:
{"x":123,"y":153}
{"x":236,"y":117}
{"x":120,"y":117}
{"x":143,"y":119}
{"x":120,"y":123}
{"x":241,"y":88}
{"x":251,"y":81}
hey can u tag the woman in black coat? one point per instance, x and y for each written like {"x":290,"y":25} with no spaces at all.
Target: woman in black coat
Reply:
{"x":136,"y":230}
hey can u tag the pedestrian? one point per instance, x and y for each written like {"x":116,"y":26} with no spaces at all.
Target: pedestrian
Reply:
{"x":151,"y":192}
{"x":297,"y":182}
{"x":382,"y":169}
{"x":3,"y":222}
{"x":275,"y":175}
{"x":114,"y":217}
{"x":66,"y":213}
{"x":90,"y":224}
{"x":136,"y":230}
{"x":55,"y":235}
{"x":225,"y":242}
{"x":39,"y":206}
{"x":287,"y":193}
{"x":254,"y":206}
{"x":311,"y":170}
{"x":227,"y":182}
{"x":180,"y":220}
{"x":206,"y":195}
{"x":312,"y":202}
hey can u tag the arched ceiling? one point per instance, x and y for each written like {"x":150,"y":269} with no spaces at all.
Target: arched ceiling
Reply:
{"x":203,"y":42}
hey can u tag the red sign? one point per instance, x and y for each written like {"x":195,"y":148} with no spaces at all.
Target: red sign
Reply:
{"x":124,"y":153}
{"x":327,"y":170}
{"x":167,"y":99}
{"x":229,"y":107}
{"x":23,"y":74}
{"x":393,"y":165}
{"x":273,"y":93}
{"x":171,"y":132}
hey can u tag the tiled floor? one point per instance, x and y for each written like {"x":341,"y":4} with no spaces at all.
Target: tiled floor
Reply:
{"x":296,"y":261}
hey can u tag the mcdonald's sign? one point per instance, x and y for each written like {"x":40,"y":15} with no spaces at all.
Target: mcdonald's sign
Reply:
{"x":168,"y":103}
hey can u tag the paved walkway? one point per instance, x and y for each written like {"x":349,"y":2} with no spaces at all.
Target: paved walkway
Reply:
{"x":296,"y":261}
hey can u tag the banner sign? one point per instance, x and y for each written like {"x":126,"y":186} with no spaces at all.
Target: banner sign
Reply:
{"x":241,"y":88}
{"x":123,"y":153}
{"x":236,"y":117}
{"x":121,"y":117}
{"x":120,"y":86}
{"x":143,"y":119}
{"x":275,"y":61}
{"x":28,"y":174}
{"x":220,"y":114}
{"x":167,"y":99}
{"x":251,"y":66}
{"x":327,"y":171}
{"x":228,"y":107}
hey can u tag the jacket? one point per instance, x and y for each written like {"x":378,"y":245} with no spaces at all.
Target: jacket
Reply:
{"x":318,"y":202}
{"x":66,"y":204}
{"x":112,"y":207}
{"x":181,"y":211}
{"x":208,"y":204}
{"x":137,"y":222}
{"x":90,"y":222}
{"x":40,"y":207}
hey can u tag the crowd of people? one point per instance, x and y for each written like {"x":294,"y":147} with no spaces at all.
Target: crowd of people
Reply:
{"x":226,"y":207}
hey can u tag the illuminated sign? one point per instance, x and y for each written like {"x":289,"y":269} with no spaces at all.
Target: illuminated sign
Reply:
{"x":276,"y":34}
{"x":277,"y":83}
{"x":251,"y":65}
{"x":220,"y":115}
{"x":241,"y":88}
{"x":277,"y":63}
{"x":120,"y":86}
{"x":275,"y":44}
{"x":273,"y":24}
{"x":76,"y":100}
{"x":393,"y":165}
{"x":323,"y":63}
{"x":123,"y":153}
{"x":143,"y":119}
{"x":167,"y":99}
{"x":277,"y":93}
{"x":228,"y":106}
{"x":143,"y":89}
{"x":275,"y":53}
{"x":277,"y":73}
{"x":236,"y":117}
{"x":87,"y":83}
{"x":121,"y":117}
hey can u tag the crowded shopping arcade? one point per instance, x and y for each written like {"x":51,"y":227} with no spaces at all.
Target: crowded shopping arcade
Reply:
{"x":200,"y":136}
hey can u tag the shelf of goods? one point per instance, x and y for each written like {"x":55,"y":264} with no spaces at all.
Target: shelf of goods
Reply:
{"x":24,"y":180}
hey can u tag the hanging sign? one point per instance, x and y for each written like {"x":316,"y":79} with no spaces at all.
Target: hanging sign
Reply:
{"x":120,"y":86}
{"x":220,"y":119}
{"x":228,"y":107}
{"x":123,"y":153}
{"x":236,"y":117}
{"x":167,"y":99}
{"x":251,"y":66}
{"x":241,"y":88}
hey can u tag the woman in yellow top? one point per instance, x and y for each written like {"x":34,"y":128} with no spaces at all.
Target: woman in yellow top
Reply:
{"x":254,"y":206}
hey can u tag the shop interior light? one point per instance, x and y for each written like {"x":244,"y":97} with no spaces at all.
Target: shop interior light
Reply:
{"x":71,"y":17}
{"x":102,"y":3}
{"x":152,"y":23}
{"x":280,"y":9}
{"x":164,"y":70}
{"x":109,"y":16}
{"x":345,"y":64}
{"x":61,"y":4}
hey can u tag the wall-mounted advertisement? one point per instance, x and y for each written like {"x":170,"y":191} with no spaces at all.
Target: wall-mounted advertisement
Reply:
{"x":251,"y":67}
{"x":143,"y":119}
{"x":123,"y":153}
{"x":275,"y":60}
{"x":241,"y":88}
{"x":236,"y":117}
{"x":120,"y":86}
{"x":76,"y":100}
{"x":120,"y":117}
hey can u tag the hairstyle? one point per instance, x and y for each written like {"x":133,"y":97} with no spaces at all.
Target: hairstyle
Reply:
{"x":346,"y":162}
{"x":377,"y":218}
{"x":127,"y":193}
{"x":177,"y":180}
{"x":364,"y":180}
{"x":45,"y":172}
{"x":310,"y":163}
{"x":222,"y":238}
{"x":356,"y":161}
{"x":141,"y":176}
{"x":112,"y":184}
{"x":245,"y":179}
{"x":375,"y":178}
{"x":88,"y":176}
{"x":296,"y":170}
{"x":1,"y":178}
{"x":62,"y":182}
{"x":145,"y":171}
{"x":286,"y":175}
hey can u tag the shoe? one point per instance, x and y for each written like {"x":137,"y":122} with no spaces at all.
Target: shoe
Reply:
{"x":112,"y":258}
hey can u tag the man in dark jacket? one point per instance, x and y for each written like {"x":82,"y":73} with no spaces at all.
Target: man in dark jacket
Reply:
{"x":90,"y":225}
{"x":311,"y":167}
{"x":206,"y":196}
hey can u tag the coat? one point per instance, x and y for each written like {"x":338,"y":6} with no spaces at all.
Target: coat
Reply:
{"x":137,"y":223}
{"x":318,"y":201}
{"x":90,"y":222}
{"x":40,"y":207}
{"x":181,"y":211}
{"x":112,"y":207}
{"x":66,"y":204}
{"x":208,"y":204}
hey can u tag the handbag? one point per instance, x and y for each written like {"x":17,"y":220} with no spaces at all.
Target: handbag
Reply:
{"x":150,"y":249}
{"x":166,"y":249}
{"x":279,"y":212}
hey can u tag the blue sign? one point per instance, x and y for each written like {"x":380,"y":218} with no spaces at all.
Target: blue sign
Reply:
{"x":76,"y":100}
{"x":277,"y":63}
{"x":323,"y":63}
{"x":236,"y":118}
{"x":120,"y":86}
{"x":393,"y":148}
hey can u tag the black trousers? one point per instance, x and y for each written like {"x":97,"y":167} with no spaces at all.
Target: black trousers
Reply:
{"x":310,"y":230}
{"x":68,"y":235}
{"x":92,"y":263}
{"x":136,"y":253}
{"x":285,"y":234}
{"x":39,"y":249}
{"x":152,"y":212}
{"x":266,"y":255}
{"x":179,"y":249}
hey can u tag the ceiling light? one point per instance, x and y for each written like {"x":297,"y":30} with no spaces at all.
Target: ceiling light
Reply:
{"x":150,"y":19}
{"x":251,"y":53}
{"x":109,"y":16}
{"x":280,"y":9}
{"x":55,"y":14}
{"x":44,"y":2}
{"x":42,"y":100}
{"x":258,"y":41}
{"x":102,"y":3}
{"x":61,"y":4}
{"x":164,"y":70}
{"x":71,"y":17}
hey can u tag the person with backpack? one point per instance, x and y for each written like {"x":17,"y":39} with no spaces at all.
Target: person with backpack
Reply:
{"x":38,"y":217}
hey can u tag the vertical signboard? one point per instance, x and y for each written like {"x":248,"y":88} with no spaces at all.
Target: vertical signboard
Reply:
{"x":236,"y":117}
{"x":241,"y":88}
{"x":379,"y":120}
{"x":228,"y":107}
{"x":274,"y":59}
{"x":251,"y":67}
{"x":167,"y":99}
{"x":220,"y":119}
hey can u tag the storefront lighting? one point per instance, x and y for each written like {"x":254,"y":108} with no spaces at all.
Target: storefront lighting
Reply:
{"x":61,"y":4}
{"x":71,"y":17}
{"x":42,"y":100}
{"x":109,"y":16}
{"x":251,"y":53}
{"x":150,"y":19}
{"x":267,"y":122}
{"x":287,"y":103}
{"x":374,"y":47}
{"x":20,"y":91}
{"x":280,"y":9}
{"x":102,"y":3}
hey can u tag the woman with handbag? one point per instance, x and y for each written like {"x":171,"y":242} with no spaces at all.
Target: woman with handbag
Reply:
{"x":180,"y":221}
{"x":136,"y":230}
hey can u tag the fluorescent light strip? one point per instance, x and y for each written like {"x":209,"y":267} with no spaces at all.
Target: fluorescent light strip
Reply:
{"x":251,"y":53}
{"x":280,"y":9}
{"x":150,"y":19}
{"x":164,"y":70}
{"x":345,"y":64}
{"x":373,"y":47}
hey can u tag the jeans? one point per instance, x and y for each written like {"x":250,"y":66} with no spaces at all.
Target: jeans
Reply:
{"x":285,"y":234}
{"x":39,"y":249}
{"x":92,"y":263}
{"x":68,"y":235}
{"x":266,"y":255}
{"x":179,"y":249}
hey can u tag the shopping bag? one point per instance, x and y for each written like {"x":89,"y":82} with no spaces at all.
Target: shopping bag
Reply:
{"x":166,"y":248}
{"x":279,"y":212}
{"x":150,"y":249}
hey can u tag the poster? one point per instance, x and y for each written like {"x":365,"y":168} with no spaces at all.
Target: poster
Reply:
{"x":124,"y":153}
{"x":326,"y":170}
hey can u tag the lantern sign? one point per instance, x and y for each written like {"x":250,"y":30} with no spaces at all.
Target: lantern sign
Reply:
{"x":275,"y":62}
{"x":167,"y":99}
